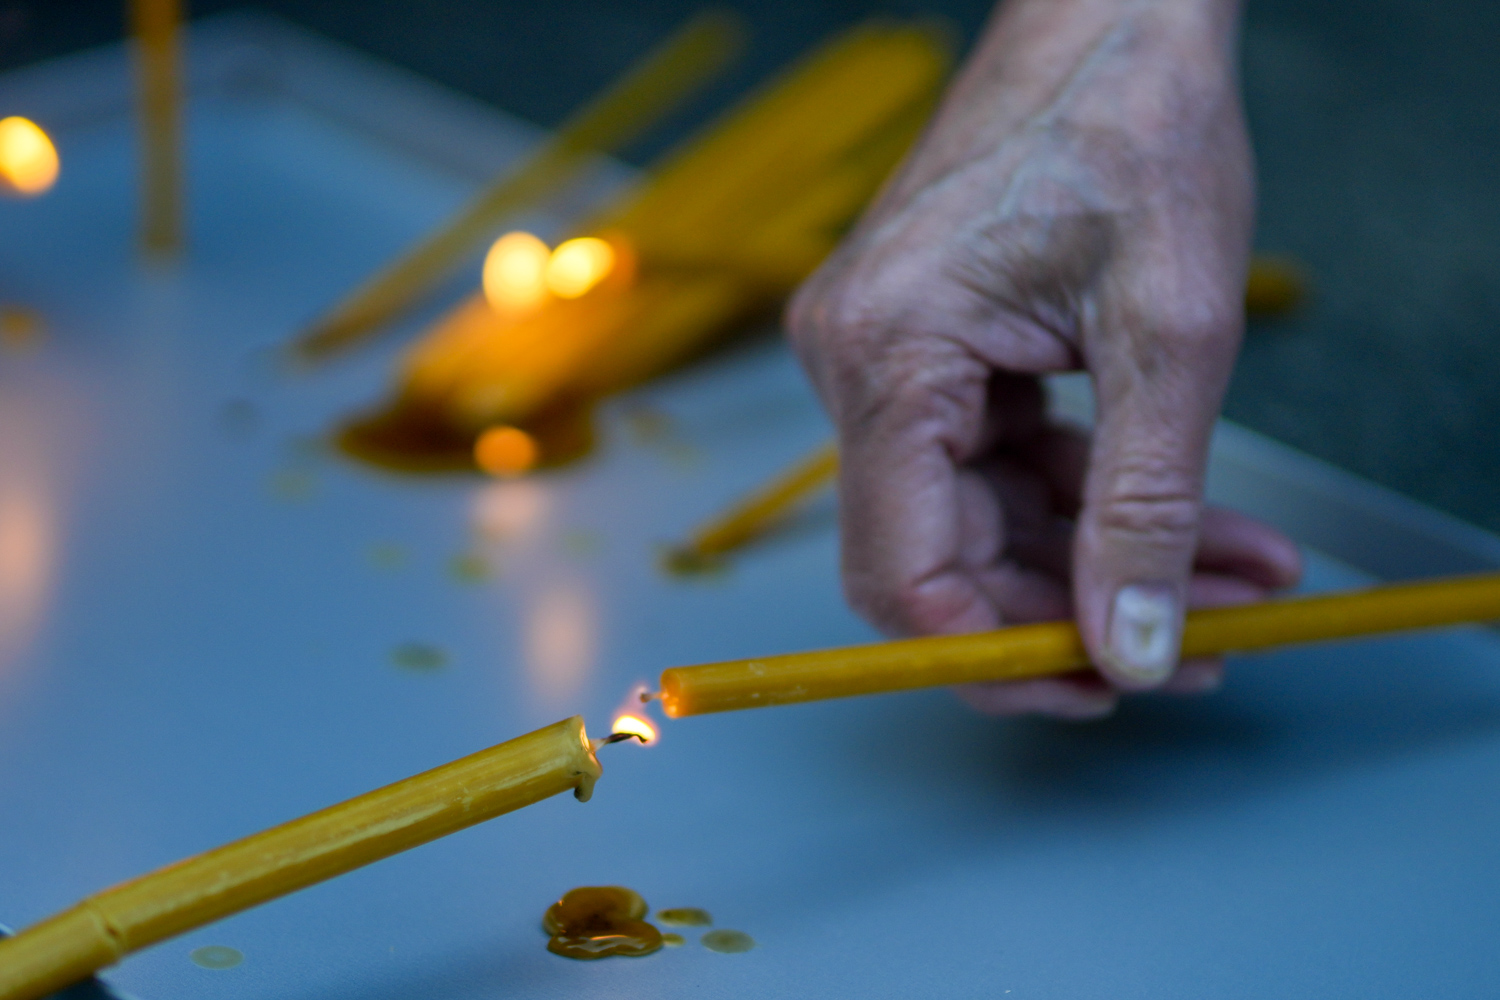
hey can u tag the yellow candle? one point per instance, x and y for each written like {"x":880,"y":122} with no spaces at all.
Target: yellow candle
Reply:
{"x":173,"y":900}
{"x":155,"y":23}
{"x":1055,"y":647}
{"x":757,"y":513}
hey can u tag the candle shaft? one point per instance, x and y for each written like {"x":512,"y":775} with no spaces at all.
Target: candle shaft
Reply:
{"x":1049,"y":648}
{"x":180,"y":897}
{"x":641,"y":97}
{"x":158,"y":72}
{"x":758,"y":512}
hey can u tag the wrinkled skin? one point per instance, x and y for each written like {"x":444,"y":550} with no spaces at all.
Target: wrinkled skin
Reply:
{"x":1083,"y":200}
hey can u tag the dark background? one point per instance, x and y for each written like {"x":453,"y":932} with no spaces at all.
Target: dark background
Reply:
{"x":1377,"y":129}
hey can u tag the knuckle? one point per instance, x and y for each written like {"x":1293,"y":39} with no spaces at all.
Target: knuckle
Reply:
{"x":1196,"y":327}
{"x":1161,"y":517}
{"x":906,"y":608}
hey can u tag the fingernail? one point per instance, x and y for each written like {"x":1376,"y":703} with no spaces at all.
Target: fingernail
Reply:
{"x":1145,"y":633}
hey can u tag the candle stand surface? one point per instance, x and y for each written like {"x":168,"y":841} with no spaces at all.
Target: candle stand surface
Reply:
{"x":210,"y":623}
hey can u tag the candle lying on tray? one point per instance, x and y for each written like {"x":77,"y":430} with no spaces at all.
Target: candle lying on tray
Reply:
{"x":756,"y":514}
{"x":178,"y":898}
{"x":158,"y":70}
{"x":1039,"y":650}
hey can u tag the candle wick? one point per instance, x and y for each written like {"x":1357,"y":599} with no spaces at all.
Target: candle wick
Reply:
{"x":618,"y":737}
{"x":649,"y":696}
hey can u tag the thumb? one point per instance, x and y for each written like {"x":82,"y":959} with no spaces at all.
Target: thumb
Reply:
{"x":1138,"y":528}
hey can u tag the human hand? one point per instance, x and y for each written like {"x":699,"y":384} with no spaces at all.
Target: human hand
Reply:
{"x":1084,"y":200}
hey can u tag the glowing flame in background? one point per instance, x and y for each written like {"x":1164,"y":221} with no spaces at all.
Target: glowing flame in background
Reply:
{"x":28,"y":160}
{"x":520,"y":272}
{"x":515,"y":273}
{"x":576,"y":266}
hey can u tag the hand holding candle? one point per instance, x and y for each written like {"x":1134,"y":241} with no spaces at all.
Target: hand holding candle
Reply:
{"x":1051,"y":648}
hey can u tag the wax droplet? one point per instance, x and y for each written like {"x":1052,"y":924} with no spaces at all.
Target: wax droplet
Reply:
{"x":645,"y":425}
{"x":239,"y":417}
{"x":673,"y":940}
{"x":685,"y":916}
{"x":419,"y":656}
{"x":387,"y":555}
{"x":580,"y":543}
{"x":599,"y":921}
{"x":470,"y":567}
{"x":1274,"y":287}
{"x":728,"y":942}
{"x":216,"y":956}
{"x":683,"y":456}
{"x":292,"y":484}
{"x":21,"y":329}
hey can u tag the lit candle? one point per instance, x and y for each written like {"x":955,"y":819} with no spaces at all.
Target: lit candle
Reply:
{"x":652,"y":87}
{"x":156,"y":24}
{"x":105,"y":927}
{"x":1040,"y":650}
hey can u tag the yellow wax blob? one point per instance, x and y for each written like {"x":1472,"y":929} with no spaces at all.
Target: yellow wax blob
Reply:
{"x":506,"y":452}
{"x":599,"y":921}
{"x":728,"y":942}
{"x":577,"y":265}
{"x":28,"y":160}
{"x":684,"y":916}
{"x":515,"y":272}
{"x":419,"y":656}
{"x":216,"y":956}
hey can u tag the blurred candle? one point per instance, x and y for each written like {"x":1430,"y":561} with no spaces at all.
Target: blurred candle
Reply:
{"x":155,"y":24}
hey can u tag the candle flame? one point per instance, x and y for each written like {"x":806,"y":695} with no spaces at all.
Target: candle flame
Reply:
{"x":577,"y":265}
{"x":506,"y":452}
{"x":28,"y":160}
{"x":634,"y":725}
{"x":515,"y":272}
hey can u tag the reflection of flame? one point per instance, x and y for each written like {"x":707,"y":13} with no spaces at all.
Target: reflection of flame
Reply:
{"x":634,"y":724}
{"x":28,"y":160}
{"x":560,"y":638}
{"x":505,"y":452}
{"x":502,"y":510}
{"x":27,"y":536}
{"x":578,"y":265}
{"x":514,"y":273}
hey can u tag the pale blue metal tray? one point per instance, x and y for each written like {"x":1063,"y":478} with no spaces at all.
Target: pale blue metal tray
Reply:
{"x":199,"y":606}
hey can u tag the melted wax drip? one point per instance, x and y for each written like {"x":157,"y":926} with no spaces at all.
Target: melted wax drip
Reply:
{"x":599,"y":921}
